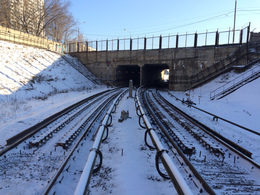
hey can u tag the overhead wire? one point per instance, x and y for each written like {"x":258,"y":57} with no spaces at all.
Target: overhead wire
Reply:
{"x":159,"y":30}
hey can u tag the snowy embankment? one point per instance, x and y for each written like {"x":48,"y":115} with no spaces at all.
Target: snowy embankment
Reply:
{"x":34,"y":84}
{"x":241,"y":107}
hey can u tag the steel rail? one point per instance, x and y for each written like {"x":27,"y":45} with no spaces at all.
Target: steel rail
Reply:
{"x":218,"y":117}
{"x":187,"y":162}
{"x":242,"y":152}
{"x":59,"y":127}
{"x":20,"y":137}
{"x":89,"y":166}
{"x":175,"y":176}
{"x":64,"y":163}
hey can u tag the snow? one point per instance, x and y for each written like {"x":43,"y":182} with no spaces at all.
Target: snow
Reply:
{"x":133,"y":169}
{"x":241,"y":107}
{"x":33,"y":83}
{"x":36,"y":84}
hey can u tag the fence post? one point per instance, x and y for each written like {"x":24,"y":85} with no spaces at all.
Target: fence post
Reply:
{"x":107,"y":45}
{"x":96,"y":46}
{"x":217,"y":39}
{"x":248,"y":32}
{"x":177,"y":41}
{"x":195,"y":39}
{"x":241,"y":37}
{"x":144,"y":43}
{"x":160,"y":42}
{"x":118,"y":44}
{"x":131,"y":44}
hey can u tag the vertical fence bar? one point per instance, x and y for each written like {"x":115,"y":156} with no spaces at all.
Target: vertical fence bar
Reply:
{"x":248,"y":32}
{"x":118,"y":44}
{"x":160,"y":42}
{"x":177,"y":41}
{"x":241,"y":37}
{"x":131,"y":44}
{"x":195,"y":40}
{"x":217,"y":39}
{"x":144,"y":43}
{"x":96,"y":45}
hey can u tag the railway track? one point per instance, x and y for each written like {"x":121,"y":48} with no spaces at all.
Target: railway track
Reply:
{"x":56,"y":153}
{"x":219,"y":164}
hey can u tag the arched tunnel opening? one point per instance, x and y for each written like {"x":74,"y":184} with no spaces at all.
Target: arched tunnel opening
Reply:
{"x":124,"y":73}
{"x":153,"y":73}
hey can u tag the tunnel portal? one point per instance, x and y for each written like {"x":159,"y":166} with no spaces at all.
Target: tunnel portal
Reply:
{"x":124,"y":73}
{"x":149,"y":73}
{"x":152,"y":73}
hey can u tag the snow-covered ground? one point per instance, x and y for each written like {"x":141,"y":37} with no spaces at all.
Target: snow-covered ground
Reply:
{"x":36,"y":83}
{"x":128,"y":164}
{"x":241,"y":107}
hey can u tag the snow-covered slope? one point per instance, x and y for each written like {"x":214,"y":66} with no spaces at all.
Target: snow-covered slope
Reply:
{"x":33,"y":80}
{"x":35,"y":73}
{"x":241,"y":107}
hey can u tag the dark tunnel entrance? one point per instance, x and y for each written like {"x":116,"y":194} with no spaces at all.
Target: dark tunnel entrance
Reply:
{"x":124,"y":73}
{"x":152,"y":73}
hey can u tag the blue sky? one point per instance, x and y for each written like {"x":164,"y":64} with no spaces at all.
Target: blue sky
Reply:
{"x":107,"y":19}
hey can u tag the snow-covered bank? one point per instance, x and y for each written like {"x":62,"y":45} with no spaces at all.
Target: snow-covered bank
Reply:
{"x":35,"y":84}
{"x":241,"y":107}
{"x":128,"y":165}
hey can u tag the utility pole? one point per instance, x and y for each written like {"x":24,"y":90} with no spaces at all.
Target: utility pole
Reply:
{"x":235,"y":14}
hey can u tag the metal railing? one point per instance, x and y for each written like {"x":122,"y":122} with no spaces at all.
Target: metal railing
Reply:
{"x":238,"y":81}
{"x":89,"y":166}
{"x":210,"y":72}
{"x":17,"y":37}
{"x":163,"y":42}
{"x":177,"y":179}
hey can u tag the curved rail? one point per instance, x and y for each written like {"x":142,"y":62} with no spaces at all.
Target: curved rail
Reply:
{"x":216,"y":116}
{"x":64,"y":163}
{"x":230,"y":144}
{"x":89,"y":166}
{"x":175,"y":176}
{"x":17,"y":139}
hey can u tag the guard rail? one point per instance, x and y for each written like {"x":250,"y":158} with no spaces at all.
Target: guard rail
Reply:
{"x":89,"y":166}
{"x":174,"y":174}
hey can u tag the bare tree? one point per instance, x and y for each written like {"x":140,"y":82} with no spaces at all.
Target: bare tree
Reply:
{"x":62,"y":29}
{"x":4,"y":13}
{"x":49,"y":17}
